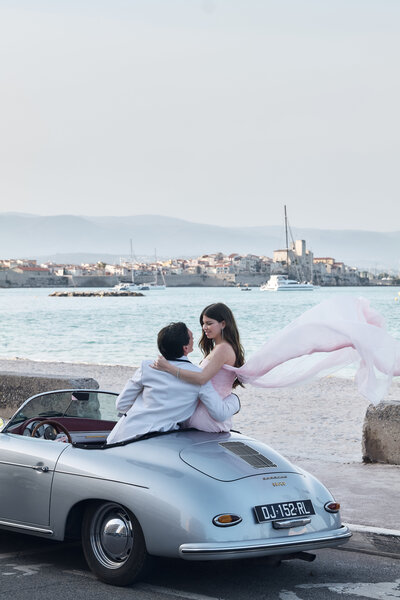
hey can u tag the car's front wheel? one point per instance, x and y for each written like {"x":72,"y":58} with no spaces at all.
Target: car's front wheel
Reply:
{"x":113,"y":543}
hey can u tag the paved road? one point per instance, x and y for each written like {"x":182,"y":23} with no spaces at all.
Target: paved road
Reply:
{"x":32,"y":568}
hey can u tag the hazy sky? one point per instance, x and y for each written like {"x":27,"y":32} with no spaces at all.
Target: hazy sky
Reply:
{"x":216,"y":111}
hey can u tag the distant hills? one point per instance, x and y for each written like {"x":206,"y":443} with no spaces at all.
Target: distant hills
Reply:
{"x":69,"y":238}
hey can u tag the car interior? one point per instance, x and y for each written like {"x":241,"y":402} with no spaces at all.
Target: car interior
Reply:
{"x":80,"y":417}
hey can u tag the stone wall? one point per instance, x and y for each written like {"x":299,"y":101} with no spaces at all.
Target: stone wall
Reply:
{"x":15,"y":389}
{"x":91,"y":280}
{"x":11,"y":279}
{"x":198,"y":280}
{"x":381,"y":433}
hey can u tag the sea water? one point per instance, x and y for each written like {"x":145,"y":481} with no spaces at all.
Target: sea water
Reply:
{"x":123,"y":330}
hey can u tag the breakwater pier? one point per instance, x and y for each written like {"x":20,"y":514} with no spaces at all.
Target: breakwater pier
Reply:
{"x":91,"y":294}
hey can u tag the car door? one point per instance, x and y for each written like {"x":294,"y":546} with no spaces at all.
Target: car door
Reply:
{"x":26,"y":474}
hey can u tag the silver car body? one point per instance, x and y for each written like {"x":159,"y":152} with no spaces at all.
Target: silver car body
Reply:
{"x":175,"y":485}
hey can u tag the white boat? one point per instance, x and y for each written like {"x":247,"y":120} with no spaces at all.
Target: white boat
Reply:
{"x":129,"y":286}
{"x":152,"y":285}
{"x":126,"y":287}
{"x":281,"y":283}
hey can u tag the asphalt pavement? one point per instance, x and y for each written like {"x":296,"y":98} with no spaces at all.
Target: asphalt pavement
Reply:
{"x":45,"y":571}
{"x":369,"y":495}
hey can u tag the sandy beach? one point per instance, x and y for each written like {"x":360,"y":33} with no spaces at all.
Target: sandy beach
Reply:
{"x":321,"y":420}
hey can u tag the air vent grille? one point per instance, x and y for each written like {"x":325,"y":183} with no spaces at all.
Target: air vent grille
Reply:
{"x":248,"y":454}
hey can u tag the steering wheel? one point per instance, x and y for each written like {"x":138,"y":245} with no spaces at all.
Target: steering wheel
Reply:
{"x":57,"y":426}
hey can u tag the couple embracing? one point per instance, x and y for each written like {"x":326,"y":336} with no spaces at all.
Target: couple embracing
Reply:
{"x":337,"y":332}
{"x":172,"y":392}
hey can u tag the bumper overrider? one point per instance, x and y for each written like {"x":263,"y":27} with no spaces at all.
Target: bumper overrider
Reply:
{"x":254,"y":548}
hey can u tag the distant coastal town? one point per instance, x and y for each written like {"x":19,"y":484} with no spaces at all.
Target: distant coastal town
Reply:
{"x":296,"y":262}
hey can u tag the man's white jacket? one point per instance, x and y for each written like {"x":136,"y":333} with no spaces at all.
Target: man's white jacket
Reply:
{"x":157,"y":401}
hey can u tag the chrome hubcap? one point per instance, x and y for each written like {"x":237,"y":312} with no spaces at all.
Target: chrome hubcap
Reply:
{"x":111,"y":535}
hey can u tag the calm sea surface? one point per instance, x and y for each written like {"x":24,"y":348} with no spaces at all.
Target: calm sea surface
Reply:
{"x":123,"y":330}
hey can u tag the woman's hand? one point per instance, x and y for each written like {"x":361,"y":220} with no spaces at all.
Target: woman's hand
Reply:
{"x":161,"y":364}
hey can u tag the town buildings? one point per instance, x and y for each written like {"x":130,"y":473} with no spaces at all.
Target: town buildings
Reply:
{"x":217,"y":269}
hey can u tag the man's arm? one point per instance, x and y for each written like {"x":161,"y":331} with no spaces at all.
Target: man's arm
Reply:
{"x":220,"y":409}
{"x":130,"y":392}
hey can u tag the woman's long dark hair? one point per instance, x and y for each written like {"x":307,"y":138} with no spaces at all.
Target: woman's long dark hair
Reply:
{"x":221,"y":312}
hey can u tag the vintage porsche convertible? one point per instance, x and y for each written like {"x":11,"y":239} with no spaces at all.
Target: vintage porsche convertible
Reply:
{"x":187,"y":494}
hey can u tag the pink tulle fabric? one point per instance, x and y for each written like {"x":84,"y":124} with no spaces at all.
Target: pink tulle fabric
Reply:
{"x":336,"y":333}
{"x":201,"y":418}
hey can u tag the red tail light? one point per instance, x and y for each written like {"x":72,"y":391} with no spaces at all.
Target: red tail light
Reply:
{"x":226,"y":520}
{"x":332,"y":507}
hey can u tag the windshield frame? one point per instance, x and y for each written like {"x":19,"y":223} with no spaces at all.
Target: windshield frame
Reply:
{"x":19,"y":416}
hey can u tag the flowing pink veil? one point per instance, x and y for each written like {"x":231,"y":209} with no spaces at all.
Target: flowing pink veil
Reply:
{"x":335,"y":333}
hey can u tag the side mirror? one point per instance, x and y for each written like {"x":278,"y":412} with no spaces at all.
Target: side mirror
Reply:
{"x":2,"y":423}
{"x":80,"y":396}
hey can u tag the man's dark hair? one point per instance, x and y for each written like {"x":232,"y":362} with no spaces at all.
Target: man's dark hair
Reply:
{"x":171,"y":339}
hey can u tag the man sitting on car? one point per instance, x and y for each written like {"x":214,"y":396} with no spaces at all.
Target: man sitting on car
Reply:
{"x":154,"y":400}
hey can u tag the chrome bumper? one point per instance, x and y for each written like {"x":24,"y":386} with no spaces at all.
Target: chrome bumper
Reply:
{"x":253,"y":548}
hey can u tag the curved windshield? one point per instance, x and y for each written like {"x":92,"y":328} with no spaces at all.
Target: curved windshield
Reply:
{"x":84,"y":404}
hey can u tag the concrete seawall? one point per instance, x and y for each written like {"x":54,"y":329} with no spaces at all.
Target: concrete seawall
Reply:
{"x":15,"y":389}
{"x":10,"y":279}
{"x":381,"y":433}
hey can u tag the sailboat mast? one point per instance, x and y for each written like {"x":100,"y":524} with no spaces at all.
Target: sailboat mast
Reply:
{"x":132,"y":273}
{"x":287,"y":242}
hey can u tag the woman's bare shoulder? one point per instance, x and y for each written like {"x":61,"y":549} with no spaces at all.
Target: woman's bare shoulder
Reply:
{"x":224,"y":352}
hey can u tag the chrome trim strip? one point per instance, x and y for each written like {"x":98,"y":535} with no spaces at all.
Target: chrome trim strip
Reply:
{"x":34,"y":467}
{"x":290,"y":523}
{"x":59,"y":472}
{"x":184,"y":549}
{"x":41,"y":469}
{"x":27,"y":527}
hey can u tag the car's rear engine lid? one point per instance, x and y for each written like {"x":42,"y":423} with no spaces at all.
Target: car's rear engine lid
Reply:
{"x":230,"y":460}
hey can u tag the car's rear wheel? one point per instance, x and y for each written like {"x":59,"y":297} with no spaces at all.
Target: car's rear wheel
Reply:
{"x":113,"y":543}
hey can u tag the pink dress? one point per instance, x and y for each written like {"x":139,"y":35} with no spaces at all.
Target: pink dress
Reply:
{"x":201,"y":418}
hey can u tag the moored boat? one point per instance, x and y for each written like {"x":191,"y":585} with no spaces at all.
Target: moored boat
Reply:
{"x":126,"y":287}
{"x":281,"y":283}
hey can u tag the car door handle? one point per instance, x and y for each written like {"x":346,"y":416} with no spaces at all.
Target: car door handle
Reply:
{"x":42,"y":469}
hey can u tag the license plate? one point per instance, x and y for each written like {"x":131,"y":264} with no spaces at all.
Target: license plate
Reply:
{"x":284,"y":510}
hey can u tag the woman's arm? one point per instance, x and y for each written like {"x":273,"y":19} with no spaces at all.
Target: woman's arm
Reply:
{"x":221,"y":355}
